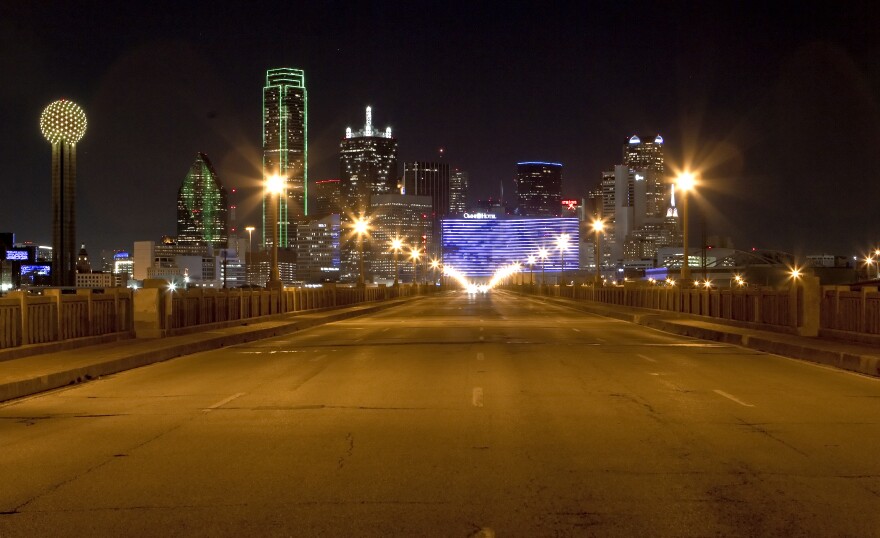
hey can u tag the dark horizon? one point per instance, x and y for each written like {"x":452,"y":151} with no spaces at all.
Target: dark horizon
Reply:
{"x":778,"y":106}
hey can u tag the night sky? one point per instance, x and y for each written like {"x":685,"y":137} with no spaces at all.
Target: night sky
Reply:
{"x":776,"y":105}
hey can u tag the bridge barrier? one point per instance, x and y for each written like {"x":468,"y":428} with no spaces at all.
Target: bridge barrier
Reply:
{"x":159,"y":311}
{"x":794,"y":310}
{"x":155,"y":311}
{"x":54,"y":316}
{"x":849,"y":313}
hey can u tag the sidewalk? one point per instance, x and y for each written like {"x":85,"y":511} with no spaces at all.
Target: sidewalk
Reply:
{"x":852,"y":356}
{"x":37,"y":373}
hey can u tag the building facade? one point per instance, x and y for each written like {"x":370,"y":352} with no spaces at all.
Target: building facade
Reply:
{"x":202,"y":206}
{"x":317,"y":250}
{"x":398,"y":216}
{"x":328,"y":198}
{"x":285,"y":151}
{"x":538,"y":189}
{"x":477,"y":247}
{"x":430,"y":179}
{"x":458,"y":190}
{"x":367,"y":167}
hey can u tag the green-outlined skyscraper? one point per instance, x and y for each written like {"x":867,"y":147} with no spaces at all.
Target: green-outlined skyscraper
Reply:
{"x":202,"y":216}
{"x":285,"y":149}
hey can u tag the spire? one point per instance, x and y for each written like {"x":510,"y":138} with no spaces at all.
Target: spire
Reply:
{"x":672,"y":211}
{"x":368,"y":127}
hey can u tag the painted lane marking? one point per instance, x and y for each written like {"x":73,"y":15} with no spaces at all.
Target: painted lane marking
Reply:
{"x":576,"y":330}
{"x":222,"y":402}
{"x":316,"y":359}
{"x":649,"y":359}
{"x":385,"y":329}
{"x":477,"y":398}
{"x":480,"y":356}
{"x":733,"y":398}
{"x":601,"y":340}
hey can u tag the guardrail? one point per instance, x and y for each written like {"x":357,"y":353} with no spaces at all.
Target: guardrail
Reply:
{"x":845,"y":312}
{"x":54,"y":316}
{"x":160,"y":311}
{"x":793,"y":310}
{"x":156,"y":311}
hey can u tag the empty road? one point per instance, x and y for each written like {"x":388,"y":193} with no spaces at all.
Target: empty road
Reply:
{"x":490,"y":415}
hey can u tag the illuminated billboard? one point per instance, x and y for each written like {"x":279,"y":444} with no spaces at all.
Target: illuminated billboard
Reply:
{"x":43,"y":270}
{"x":18,"y":255}
{"x":478,"y":247}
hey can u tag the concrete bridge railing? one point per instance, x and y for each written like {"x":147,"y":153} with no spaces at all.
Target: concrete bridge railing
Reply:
{"x":55,"y":316}
{"x":155,"y":311}
{"x":794,"y":310}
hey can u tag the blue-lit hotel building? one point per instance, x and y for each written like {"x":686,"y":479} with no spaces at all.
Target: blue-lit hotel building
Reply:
{"x":479,"y":243}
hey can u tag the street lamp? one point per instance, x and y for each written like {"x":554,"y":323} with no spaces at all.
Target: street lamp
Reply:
{"x":396,"y":247}
{"x":685,"y":183}
{"x":531,"y":261}
{"x":562,"y":245}
{"x":361,"y":226}
{"x":414,"y":254}
{"x":434,"y":265}
{"x":542,"y":253}
{"x":275,"y":186}
{"x":598,"y":226}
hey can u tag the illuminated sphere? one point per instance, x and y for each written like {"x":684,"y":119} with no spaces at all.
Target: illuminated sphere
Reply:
{"x":63,"y":121}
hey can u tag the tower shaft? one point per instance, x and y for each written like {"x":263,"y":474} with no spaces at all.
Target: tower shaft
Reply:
{"x":64,"y":248}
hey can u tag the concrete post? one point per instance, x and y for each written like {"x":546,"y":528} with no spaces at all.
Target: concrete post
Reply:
{"x":149,"y":309}
{"x":811,"y":298}
{"x":55,"y":294}
{"x":23,"y":310}
{"x":863,"y":307}
{"x":87,"y":293}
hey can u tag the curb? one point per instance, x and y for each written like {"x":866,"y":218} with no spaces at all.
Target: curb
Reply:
{"x":72,"y":376}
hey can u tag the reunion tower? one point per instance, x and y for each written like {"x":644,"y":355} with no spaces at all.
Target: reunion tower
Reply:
{"x":63,"y":123}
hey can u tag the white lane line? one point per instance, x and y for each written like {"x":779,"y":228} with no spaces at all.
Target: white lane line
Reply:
{"x":480,"y":356}
{"x":385,"y":329}
{"x":316,"y":359}
{"x":600,"y":340}
{"x":477,"y":398}
{"x":222,"y":402}
{"x":647,"y":358}
{"x":576,"y":330}
{"x":733,"y":398}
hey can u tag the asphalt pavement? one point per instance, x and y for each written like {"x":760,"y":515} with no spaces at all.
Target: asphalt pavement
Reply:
{"x":458,"y":415}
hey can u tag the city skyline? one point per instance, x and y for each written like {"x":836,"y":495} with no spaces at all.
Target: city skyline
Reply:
{"x":769,"y":123}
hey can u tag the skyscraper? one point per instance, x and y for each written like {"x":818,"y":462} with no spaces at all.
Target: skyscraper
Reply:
{"x":647,"y":158}
{"x":367,"y":167}
{"x":202,"y":206}
{"x":328,"y":198}
{"x":404,"y":217}
{"x":458,"y":188}
{"x":429,"y":179}
{"x":539,"y":189}
{"x":285,"y":150}
{"x":63,"y":124}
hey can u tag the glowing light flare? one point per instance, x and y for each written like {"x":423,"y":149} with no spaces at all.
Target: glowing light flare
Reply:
{"x":502,"y":273}
{"x":63,"y":121}
{"x":396,"y":244}
{"x":795,"y":273}
{"x":562,"y":242}
{"x":598,"y":225}
{"x":275,"y":184}
{"x":542,"y":253}
{"x":361,"y":226}
{"x":531,"y":259}
{"x":686,"y":181}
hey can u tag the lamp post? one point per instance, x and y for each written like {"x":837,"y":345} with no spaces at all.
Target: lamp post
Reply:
{"x":396,"y":247}
{"x":531,"y":262}
{"x":434,"y":265}
{"x":542,"y":253}
{"x":598,"y":226}
{"x":275,"y":186}
{"x":877,"y":257}
{"x":685,"y":183}
{"x":414,"y":256}
{"x":361,"y":227}
{"x":562,"y":245}
{"x":249,"y":257}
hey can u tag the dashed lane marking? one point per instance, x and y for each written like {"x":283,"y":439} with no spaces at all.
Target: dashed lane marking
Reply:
{"x":647,"y":358}
{"x":480,"y":356}
{"x":222,"y":402}
{"x":732,"y":398}
{"x":477,"y":398}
